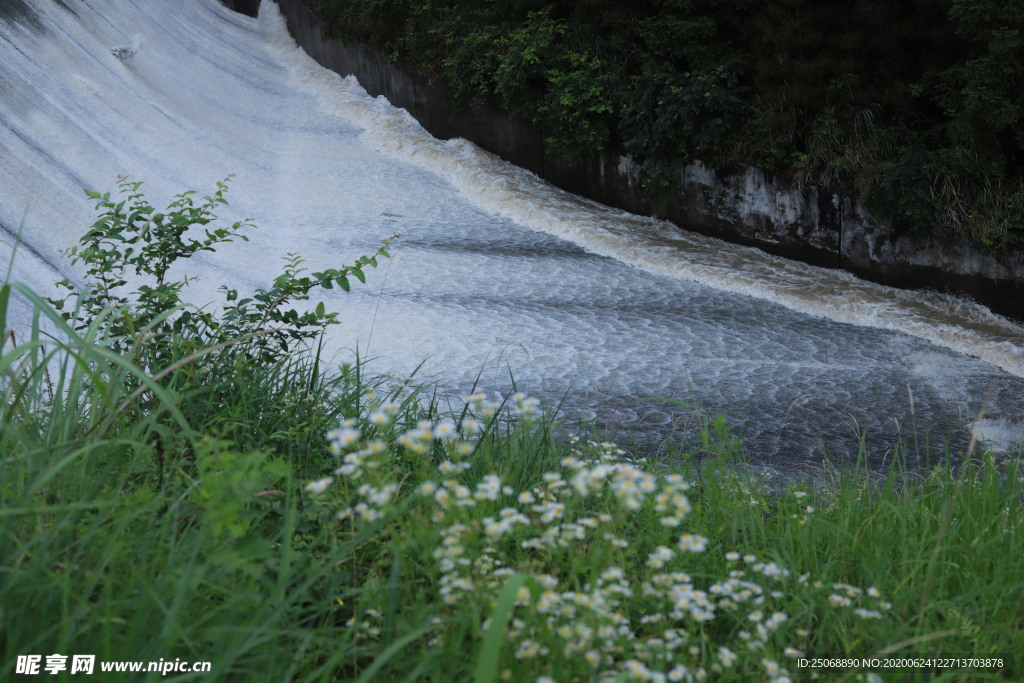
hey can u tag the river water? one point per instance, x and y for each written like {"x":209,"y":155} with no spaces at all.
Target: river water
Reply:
{"x":496,"y":275}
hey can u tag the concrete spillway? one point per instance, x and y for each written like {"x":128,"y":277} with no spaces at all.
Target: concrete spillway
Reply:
{"x":496,"y":272}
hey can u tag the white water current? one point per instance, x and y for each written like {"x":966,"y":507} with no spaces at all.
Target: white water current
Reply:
{"x":496,"y":272}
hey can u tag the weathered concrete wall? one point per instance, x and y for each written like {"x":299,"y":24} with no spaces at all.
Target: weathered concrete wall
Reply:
{"x":872,"y":250}
{"x":739,"y":203}
{"x":744,"y":204}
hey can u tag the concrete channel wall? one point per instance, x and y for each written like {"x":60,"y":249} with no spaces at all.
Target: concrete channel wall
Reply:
{"x":739,"y":203}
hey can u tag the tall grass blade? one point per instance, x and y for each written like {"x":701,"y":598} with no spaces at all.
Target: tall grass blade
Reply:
{"x":494,"y":636}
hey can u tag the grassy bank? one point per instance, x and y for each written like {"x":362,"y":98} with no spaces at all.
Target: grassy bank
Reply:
{"x":172,"y":493}
{"x":335,"y":527}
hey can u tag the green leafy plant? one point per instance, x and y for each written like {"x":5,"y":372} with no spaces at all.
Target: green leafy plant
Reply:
{"x":670,"y":118}
{"x":131,"y":236}
{"x":550,"y":77}
{"x":149,"y":319}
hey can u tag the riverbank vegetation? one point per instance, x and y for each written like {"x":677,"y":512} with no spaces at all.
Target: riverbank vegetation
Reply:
{"x":179,"y":485}
{"x":915,"y":106}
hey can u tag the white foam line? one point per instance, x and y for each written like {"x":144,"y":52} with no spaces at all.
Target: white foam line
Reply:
{"x":655,"y":246}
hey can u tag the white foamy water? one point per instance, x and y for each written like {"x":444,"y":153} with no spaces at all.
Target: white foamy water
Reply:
{"x":496,"y":271}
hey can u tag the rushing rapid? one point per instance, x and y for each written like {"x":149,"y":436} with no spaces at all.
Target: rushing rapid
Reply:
{"x":497,"y":275}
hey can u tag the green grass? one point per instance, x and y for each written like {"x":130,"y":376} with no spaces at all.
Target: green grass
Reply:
{"x":188,"y":515}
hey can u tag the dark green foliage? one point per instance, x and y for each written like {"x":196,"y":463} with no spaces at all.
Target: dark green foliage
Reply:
{"x":983,"y":94}
{"x":547,"y":57}
{"x":673,"y":117}
{"x":914,"y":105}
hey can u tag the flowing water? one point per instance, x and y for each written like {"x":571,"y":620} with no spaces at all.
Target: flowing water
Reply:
{"x":496,"y":273}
